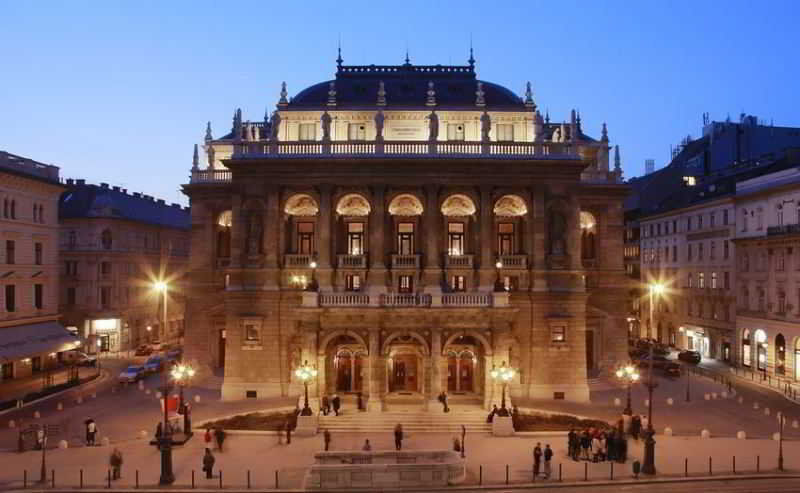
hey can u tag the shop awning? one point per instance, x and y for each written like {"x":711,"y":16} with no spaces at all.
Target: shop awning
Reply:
{"x":23,"y":341}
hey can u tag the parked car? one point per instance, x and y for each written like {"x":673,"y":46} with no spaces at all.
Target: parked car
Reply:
{"x":659,"y":362}
{"x":144,"y":350}
{"x":174,"y":354}
{"x":132,"y":373}
{"x":154,"y":364}
{"x":672,"y":369}
{"x":79,"y":358}
{"x":690,"y":357}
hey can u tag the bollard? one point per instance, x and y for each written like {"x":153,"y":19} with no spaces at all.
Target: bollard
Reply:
{"x":37,"y":415}
{"x":506,"y":473}
{"x":586,"y":471}
{"x":276,"y":479}
{"x":559,"y":472}
{"x":220,"y":479}
{"x":709,"y":466}
{"x":192,"y":478}
{"x":108,"y":478}
{"x":81,"y":479}
{"x":480,"y":475}
{"x":52,"y":478}
{"x":734,"y":464}
{"x":248,"y":479}
{"x":60,"y":406}
{"x":25,"y":479}
{"x":686,"y":467}
{"x":612,"y":470}
{"x":137,"y":478}
{"x":758,"y":463}
{"x":196,"y":398}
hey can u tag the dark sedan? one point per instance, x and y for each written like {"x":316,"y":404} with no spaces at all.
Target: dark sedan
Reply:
{"x":692,"y":357}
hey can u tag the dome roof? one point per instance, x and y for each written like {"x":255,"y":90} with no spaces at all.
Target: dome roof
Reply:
{"x":407,"y":86}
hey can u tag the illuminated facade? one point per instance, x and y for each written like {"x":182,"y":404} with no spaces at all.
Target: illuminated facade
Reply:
{"x":405,"y":229}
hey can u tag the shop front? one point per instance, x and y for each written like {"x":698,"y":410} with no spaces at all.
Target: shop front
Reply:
{"x":105,"y":335}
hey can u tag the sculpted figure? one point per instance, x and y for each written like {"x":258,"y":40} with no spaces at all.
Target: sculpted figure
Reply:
{"x":433,"y":126}
{"x":254,"y":229}
{"x":486,"y":125}
{"x":274,"y":125}
{"x":379,"y":119}
{"x":326,"y":126}
{"x":558,"y":227}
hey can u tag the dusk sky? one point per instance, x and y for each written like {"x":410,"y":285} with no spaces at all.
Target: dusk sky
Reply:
{"x":118,"y":92}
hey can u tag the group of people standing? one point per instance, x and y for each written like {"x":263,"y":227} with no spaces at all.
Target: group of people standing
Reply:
{"x":327,"y":402}
{"x":597,"y":445}
{"x":538,"y":455}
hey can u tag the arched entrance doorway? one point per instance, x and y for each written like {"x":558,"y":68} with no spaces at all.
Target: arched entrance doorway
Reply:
{"x":345,"y":357}
{"x":405,"y":364}
{"x":464,"y":361}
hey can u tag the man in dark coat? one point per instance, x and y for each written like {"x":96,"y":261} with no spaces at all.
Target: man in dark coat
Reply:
{"x":636,"y":427}
{"x":537,"y":459}
{"x":337,"y":403}
{"x":326,"y":405}
{"x":208,"y":463}
{"x":398,"y":437}
{"x":327,"y":437}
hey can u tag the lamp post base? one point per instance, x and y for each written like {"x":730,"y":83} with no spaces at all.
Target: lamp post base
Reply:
{"x":167,"y":476}
{"x":649,"y":466}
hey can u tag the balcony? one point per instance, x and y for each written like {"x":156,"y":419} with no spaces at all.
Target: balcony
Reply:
{"x":458,"y":261}
{"x":466,"y":299}
{"x":262,"y":149}
{"x":785,"y":229}
{"x":351,"y":261}
{"x":312,"y":299}
{"x":342,"y":299}
{"x":298,"y":260}
{"x":514,"y":261}
{"x":405,"y":300}
{"x":405,"y":261}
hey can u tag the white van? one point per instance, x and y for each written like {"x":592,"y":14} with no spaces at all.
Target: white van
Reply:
{"x":79,"y":358}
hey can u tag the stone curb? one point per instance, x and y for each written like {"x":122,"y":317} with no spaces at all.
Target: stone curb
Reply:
{"x":100,"y":378}
{"x":518,"y":486}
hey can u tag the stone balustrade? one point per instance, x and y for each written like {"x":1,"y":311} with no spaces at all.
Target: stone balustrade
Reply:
{"x":458,"y":261}
{"x":313,"y":299}
{"x":345,"y":261}
{"x":405,"y":261}
{"x":514,"y":261}
{"x":298,"y":260}
{"x":405,"y":299}
{"x":385,"y":469}
{"x":466,"y":299}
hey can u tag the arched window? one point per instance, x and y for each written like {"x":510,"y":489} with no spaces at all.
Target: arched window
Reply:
{"x":224,"y":222}
{"x":105,"y":239}
{"x":5,"y":207}
{"x":13,"y":209}
{"x":588,"y":226}
{"x":780,"y":355}
{"x":779,"y":211}
{"x":761,"y":349}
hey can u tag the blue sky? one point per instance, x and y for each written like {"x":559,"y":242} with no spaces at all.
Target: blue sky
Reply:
{"x":119,"y":91}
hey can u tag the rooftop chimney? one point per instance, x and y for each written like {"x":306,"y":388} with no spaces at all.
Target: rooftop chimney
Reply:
{"x":104,"y":185}
{"x":80,"y":182}
{"x":137,"y":194}
{"x":116,"y":189}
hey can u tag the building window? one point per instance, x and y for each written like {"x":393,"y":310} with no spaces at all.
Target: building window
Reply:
{"x":106,"y":239}
{"x":10,"y":252}
{"x":505,"y":132}
{"x":779,"y":211}
{"x":73,"y":240}
{"x":700,"y":251}
{"x":689,"y":252}
{"x":405,"y":284}
{"x":458,"y":283}
{"x":690,"y":280}
{"x":761,"y":298}
{"x":725,"y":217}
{"x":105,"y":269}
{"x":746,"y":348}
{"x":72,"y":267}
{"x":781,"y":301}
{"x":744,"y":221}
{"x":674,"y":253}
{"x":37,"y":253}
{"x":726,"y":280}
{"x":455,"y":131}
{"x":305,"y":238}
{"x":699,"y":221}
{"x":105,"y":296}
{"x":405,"y":238}
{"x":726,"y":249}
{"x":355,"y":238}
{"x":308,"y":131}
{"x":780,"y":261}
{"x":712,"y":219}
{"x":70,"y":296}
{"x":11,"y":298}
{"x":13,"y":209}
{"x":674,"y":226}
{"x":713,"y":280}
{"x":689,"y":223}
{"x":455,"y":238}
{"x":712,"y":250}
{"x":745,"y":262}
{"x":505,"y":238}
{"x":352,"y":282}
{"x":780,"y":354}
{"x":356,"y":131}
{"x":701,"y":280}
{"x":759,"y":219}
{"x":510,"y":283}
{"x":558,"y":333}
{"x":38,"y":296}
{"x":252,"y":331}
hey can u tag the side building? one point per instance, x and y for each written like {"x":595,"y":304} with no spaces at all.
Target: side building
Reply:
{"x":114,"y":246}
{"x":30,"y":335}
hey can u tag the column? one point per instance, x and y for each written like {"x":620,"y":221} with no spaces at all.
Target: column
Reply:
{"x":487,"y":270}
{"x":489,"y":395}
{"x":324,"y":270}
{"x":433,"y":237}
{"x":321,"y":375}
{"x":435,"y":371}
{"x":574,"y":231}
{"x":458,"y":374}
{"x":237,"y":231}
{"x":537,"y":220}
{"x":374,"y":400}
{"x":377,"y":251}
{"x":272,"y":237}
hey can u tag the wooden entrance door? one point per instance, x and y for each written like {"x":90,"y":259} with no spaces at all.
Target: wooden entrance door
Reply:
{"x":405,"y":375}
{"x":344,"y":373}
{"x":451,"y":374}
{"x":589,"y":349}
{"x":465,"y":370}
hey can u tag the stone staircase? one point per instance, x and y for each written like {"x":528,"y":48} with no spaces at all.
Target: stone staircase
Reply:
{"x":413,"y":421}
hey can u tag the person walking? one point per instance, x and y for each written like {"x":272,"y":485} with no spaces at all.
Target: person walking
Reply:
{"x":597,"y":448}
{"x":207,"y":438}
{"x":537,"y":459}
{"x":208,"y":463}
{"x":367,"y":447}
{"x":586,"y":444}
{"x":572,"y":440}
{"x":91,"y":433}
{"x":548,"y":456}
{"x":219,"y":434}
{"x":636,"y":426}
{"x":287,"y":426}
{"x":398,"y":437}
{"x":337,"y":403}
{"x":115,"y":461}
{"x":326,"y":405}
{"x":492,"y":414}
{"x":327,"y":437}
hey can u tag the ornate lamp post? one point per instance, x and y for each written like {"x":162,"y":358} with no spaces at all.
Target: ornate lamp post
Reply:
{"x":629,"y":375}
{"x":182,"y":374}
{"x":503,"y":375}
{"x":165,"y":440}
{"x":649,"y":466}
{"x":306,"y":373}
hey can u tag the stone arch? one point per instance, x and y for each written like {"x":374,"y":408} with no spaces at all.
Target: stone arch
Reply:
{"x":487,"y":348}
{"x":353,"y":204}
{"x":301,"y":204}
{"x":406,"y":204}
{"x":323,"y":344}
{"x":510,"y":206}
{"x":458,"y":204}
{"x":780,"y":354}
{"x":394,"y":335}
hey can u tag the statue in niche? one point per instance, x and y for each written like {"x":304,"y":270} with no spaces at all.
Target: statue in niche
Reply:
{"x":558,"y":228}
{"x":326,"y":127}
{"x":433,"y":126}
{"x":379,"y":119}
{"x":486,"y":125}
{"x":274,"y":126}
{"x":254,"y":233}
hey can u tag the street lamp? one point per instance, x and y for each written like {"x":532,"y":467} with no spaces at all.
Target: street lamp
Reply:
{"x":182,"y":374}
{"x":306,"y":373}
{"x":165,"y":440}
{"x":503,"y":374}
{"x":649,"y":466}
{"x":629,"y":375}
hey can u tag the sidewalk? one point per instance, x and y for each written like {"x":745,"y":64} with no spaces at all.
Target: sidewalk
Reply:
{"x":785,"y":386}
{"x":18,"y":388}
